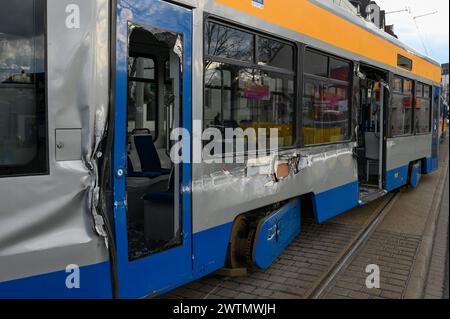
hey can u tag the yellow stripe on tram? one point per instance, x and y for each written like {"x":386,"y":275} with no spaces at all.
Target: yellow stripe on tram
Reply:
{"x":304,"y":17}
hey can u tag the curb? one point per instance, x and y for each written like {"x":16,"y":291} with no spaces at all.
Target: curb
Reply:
{"x":417,"y":281}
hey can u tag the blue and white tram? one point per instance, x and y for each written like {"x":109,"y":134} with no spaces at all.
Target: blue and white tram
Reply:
{"x":91,"y":204}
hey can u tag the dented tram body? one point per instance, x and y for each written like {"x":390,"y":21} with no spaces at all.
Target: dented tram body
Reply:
{"x":91,"y":206}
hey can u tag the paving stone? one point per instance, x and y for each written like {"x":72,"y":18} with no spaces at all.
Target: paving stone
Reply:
{"x":390,"y":294}
{"x":226,"y":293}
{"x":283,"y":295}
{"x":358,"y":295}
{"x":263,"y":292}
{"x":246,"y":288}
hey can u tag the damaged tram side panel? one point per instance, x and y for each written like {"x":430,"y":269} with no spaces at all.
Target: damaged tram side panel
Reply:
{"x":93,"y":91}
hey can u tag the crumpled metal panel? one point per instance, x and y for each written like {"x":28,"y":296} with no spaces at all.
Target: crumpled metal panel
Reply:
{"x":46,"y":221}
{"x":221,"y":192}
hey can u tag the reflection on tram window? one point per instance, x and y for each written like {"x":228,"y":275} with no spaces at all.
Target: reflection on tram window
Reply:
{"x":422,"y":112}
{"x":249,"y":98}
{"x":326,"y":112}
{"x":142,"y":94}
{"x":23,"y":123}
{"x":407,"y":86}
{"x":326,"y":116}
{"x":225,"y":42}
{"x":426,"y":91}
{"x":400,"y":110}
{"x":419,"y":90}
{"x":316,"y":64}
{"x":254,"y":92}
{"x":397,"y":84}
{"x":339,"y":70}
{"x":276,"y":54}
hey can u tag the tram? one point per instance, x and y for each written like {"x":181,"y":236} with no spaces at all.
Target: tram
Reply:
{"x":92,"y":204}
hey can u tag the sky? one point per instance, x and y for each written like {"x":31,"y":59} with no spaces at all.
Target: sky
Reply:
{"x":431,"y":35}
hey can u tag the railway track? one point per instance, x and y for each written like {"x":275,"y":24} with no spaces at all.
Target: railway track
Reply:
{"x":319,"y":288}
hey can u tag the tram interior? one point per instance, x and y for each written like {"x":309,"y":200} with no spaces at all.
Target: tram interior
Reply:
{"x":153,"y":109}
{"x":369,"y":132}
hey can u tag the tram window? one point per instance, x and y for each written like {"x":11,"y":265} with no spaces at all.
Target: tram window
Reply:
{"x":23,"y":123}
{"x":400,"y":110}
{"x":404,"y":62}
{"x":275,"y":53}
{"x":397,"y":85}
{"x":325,"y":112}
{"x":153,"y":216}
{"x":407,"y":86}
{"x":422,"y":113}
{"x":142,"y":93}
{"x":316,"y":64}
{"x":226,"y":42}
{"x":254,"y":92}
{"x":419,"y":90}
{"x":239,"y":97}
{"x":339,"y":70}
{"x":426,"y":91}
{"x":326,"y":109}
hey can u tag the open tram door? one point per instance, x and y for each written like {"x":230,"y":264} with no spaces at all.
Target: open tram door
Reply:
{"x":371,"y":132}
{"x":152,"y":218}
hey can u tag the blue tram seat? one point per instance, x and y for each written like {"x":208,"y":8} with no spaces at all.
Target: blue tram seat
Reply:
{"x":148,"y":158}
{"x":159,"y":214}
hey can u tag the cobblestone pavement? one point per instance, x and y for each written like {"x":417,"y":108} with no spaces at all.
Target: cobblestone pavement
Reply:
{"x":437,"y":282}
{"x":291,"y":276}
{"x":393,"y":253}
{"x":393,"y":246}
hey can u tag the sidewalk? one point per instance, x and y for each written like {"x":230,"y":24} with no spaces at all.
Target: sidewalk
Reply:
{"x":437,"y":280}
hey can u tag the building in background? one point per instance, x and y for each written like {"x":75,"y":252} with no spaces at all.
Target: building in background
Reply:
{"x":346,"y":4}
{"x":445,"y":82}
{"x":369,"y":10}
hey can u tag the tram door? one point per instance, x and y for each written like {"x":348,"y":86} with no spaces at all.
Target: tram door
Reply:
{"x":371,"y":135}
{"x":152,"y":99}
